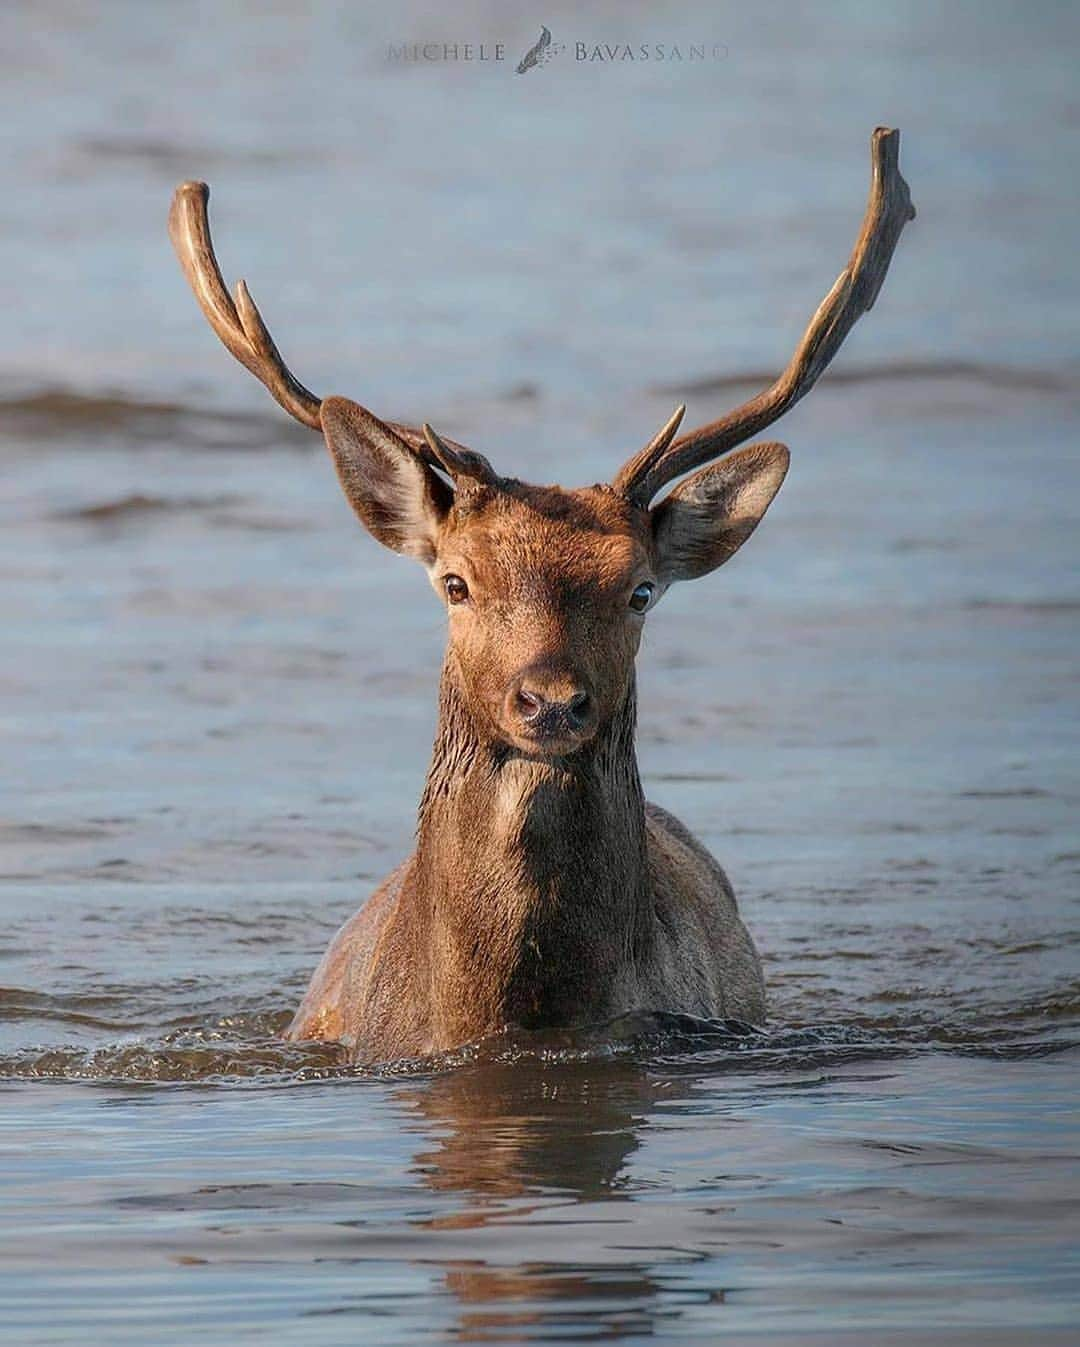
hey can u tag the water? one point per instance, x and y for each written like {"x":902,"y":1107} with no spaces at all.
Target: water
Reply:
{"x":218,"y":696}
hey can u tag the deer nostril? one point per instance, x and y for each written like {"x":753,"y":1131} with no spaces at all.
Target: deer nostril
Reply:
{"x":578,"y":706}
{"x":529,"y":705}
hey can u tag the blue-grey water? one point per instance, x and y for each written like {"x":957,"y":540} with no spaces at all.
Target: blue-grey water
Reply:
{"x":217,"y":694}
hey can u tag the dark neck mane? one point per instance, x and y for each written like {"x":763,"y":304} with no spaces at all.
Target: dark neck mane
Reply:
{"x":531,"y":890}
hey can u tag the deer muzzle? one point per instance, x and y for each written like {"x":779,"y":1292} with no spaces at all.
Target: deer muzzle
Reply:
{"x":549,"y":710}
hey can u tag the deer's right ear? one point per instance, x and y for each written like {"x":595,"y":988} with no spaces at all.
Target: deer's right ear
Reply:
{"x":398,"y":498}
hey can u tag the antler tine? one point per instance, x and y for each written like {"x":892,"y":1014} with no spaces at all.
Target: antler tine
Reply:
{"x":240,"y":325}
{"x":666,"y":433}
{"x":888,"y":210}
{"x":457,"y":461}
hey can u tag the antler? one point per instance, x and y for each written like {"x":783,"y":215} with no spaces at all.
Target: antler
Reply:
{"x":240,"y":327}
{"x":888,"y":210}
{"x":457,"y":462}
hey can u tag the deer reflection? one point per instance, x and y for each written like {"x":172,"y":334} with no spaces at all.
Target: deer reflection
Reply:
{"x":495,"y":1301}
{"x":513,"y":1139}
{"x":509,"y":1129}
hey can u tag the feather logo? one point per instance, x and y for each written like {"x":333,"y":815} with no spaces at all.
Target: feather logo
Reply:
{"x":540,"y":52}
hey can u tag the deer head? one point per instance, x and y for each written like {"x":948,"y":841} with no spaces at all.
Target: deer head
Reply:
{"x":547,"y":589}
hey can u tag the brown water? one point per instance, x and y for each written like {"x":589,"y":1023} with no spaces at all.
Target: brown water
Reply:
{"x":218,"y":696}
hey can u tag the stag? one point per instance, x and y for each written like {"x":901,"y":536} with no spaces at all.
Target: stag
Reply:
{"x":544,"y":889}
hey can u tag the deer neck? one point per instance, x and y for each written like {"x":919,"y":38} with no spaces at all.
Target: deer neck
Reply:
{"x":531,"y":884}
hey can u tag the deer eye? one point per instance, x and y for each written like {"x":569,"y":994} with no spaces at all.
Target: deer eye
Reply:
{"x":642,"y":597}
{"x":457,"y":591}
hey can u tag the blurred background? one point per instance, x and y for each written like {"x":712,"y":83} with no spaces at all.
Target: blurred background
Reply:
{"x":218,"y":693}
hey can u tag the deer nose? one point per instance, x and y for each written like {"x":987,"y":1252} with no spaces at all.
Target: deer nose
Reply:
{"x":532,"y":705}
{"x":550,"y":704}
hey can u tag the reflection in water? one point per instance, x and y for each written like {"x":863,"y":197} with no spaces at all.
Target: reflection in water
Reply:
{"x":509,"y":1129}
{"x":614,"y":1303}
{"x":559,"y":1135}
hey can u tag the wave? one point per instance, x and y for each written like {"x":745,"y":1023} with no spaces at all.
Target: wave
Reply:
{"x":1019,"y":377}
{"x":62,"y":414}
{"x":250,"y":1052}
{"x":59,"y":413}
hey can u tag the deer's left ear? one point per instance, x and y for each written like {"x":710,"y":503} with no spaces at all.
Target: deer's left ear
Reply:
{"x":707,"y":518}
